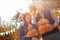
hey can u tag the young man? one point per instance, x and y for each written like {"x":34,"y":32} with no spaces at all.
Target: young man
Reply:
{"x":44,"y":13}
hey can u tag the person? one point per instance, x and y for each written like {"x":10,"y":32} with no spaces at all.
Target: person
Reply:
{"x":44,"y":13}
{"x":24,"y":28}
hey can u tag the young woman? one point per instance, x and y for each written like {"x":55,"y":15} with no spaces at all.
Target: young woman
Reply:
{"x":24,"y":29}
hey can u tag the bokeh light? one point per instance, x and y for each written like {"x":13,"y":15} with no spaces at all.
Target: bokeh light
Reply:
{"x":8,"y":8}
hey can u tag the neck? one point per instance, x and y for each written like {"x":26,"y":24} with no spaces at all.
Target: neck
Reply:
{"x":27,"y":23}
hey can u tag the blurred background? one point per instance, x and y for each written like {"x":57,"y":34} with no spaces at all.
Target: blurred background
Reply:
{"x":12,"y":11}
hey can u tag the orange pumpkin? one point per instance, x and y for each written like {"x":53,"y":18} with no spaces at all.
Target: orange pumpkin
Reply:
{"x":30,"y":27}
{"x":45,"y":28}
{"x":35,"y":33}
{"x":43,"y":22}
{"x":42,"y":29}
{"x":49,"y":27}
{"x":32,"y":33}
{"x":29,"y":34}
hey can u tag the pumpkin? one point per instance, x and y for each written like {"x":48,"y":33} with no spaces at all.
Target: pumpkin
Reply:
{"x":49,"y":27}
{"x":32,"y":33}
{"x":30,"y":27}
{"x":43,"y":22}
{"x":45,"y":28}
{"x":42,"y":29}
{"x":35,"y":33}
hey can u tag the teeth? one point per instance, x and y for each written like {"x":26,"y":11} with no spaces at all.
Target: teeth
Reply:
{"x":14,"y":30}
{"x":1,"y":34}
{"x":11,"y":31}
{"x":6,"y":33}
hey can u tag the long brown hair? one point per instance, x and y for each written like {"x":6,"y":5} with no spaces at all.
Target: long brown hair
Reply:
{"x":24,"y":17}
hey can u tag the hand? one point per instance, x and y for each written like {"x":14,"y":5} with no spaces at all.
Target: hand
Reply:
{"x":32,"y":33}
{"x":30,"y":27}
{"x":45,"y":28}
{"x":49,"y":27}
{"x":42,"y":29}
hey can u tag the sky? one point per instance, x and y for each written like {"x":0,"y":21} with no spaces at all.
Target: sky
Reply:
{"x":8,"y":8}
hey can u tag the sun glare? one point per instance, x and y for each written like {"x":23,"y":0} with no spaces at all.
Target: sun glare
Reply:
{"x":8,"y":8}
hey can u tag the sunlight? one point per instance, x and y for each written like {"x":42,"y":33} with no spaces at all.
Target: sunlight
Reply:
{"x":8,"y":8}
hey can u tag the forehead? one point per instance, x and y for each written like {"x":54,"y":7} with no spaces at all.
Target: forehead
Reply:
{"x":27,"y":16}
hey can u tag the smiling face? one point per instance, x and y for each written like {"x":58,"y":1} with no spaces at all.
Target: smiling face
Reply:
{"x":27,"y":18}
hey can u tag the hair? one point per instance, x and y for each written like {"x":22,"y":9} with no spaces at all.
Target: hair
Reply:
{"x":24,"y":16}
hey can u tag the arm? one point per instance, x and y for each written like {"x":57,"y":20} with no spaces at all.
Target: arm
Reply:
{"x":22,"y":33}
{"x":55,"y":20}
{"x":38,"y":17}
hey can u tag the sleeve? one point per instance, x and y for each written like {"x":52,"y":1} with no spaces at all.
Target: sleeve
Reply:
{"x":55,"y":20}
{"x":22,"y":34}
{"x":22,"y":37}
{"x":38,"y":17}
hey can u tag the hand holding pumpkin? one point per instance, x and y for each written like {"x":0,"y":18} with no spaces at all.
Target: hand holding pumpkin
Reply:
{"x":44,"y":26}
{"x":32,"y":32}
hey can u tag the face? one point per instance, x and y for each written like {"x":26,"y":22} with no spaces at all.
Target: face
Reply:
{"x":28,"y":18}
